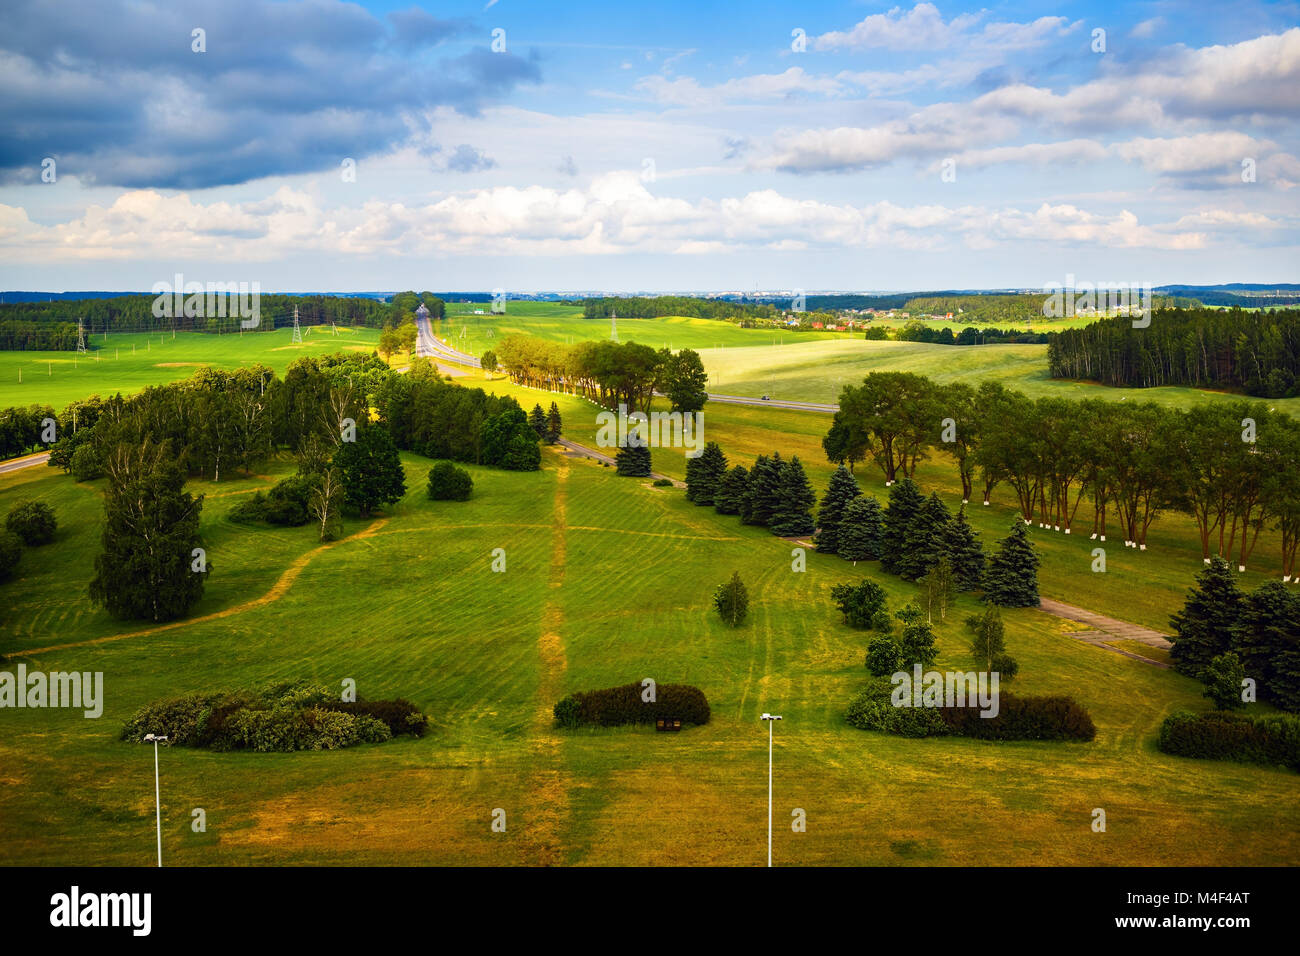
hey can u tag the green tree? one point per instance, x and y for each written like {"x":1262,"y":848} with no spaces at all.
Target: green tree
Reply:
{"x":370,"y":468}
{"x":923,"y":539}
{"x":11,"y":552}
{"x":149,"y":569}
{"x":989,"y":640}
{"x":686,"y":382}
{"x":860,"y":530}
{"x":449,"y":483}
{"x":905,"y":502}
{"x":537,"y":419}
{"x":489,"y":361}
{"x":1223,"y":677}
{"x":1012,"y":576}
{"x":1267,"y":639}
{"x":938,"y":589}
{"x":763,"y":496}
{"x":633,"y":460}
{"x":325,"y":504}
{"x":1204,"y":628}
{"x":883,"y":656}
{"x":843,"y":488}
{"x":962,"y":549}
{"x":864,"y":605}
{"x":705,"y":474}
{"x":793,"y":513}
{"x":916,"y":644}
{"x":33,"y":521}
{"x":730,"y":496}
{"x":732,"y":600}
{"x":554,"y":426}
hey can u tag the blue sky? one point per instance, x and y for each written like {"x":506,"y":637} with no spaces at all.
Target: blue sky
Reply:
{"x":318,"y":145}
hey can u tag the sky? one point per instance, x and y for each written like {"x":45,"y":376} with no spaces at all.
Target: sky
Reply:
{"x":316,"y":145}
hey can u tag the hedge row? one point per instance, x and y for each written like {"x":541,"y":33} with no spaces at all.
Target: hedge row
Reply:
{"x":279,"y":718}
{"x":616,"y":706}
{"x":1018,"y":718}
{"x":1219,"y":735}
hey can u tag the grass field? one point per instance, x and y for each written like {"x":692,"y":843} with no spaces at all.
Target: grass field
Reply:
{"x":608,"y":581}
{"x":129,"y":362}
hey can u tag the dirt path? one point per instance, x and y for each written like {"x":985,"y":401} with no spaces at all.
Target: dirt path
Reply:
{"x":277,"y":591}
{"x":1102,"y":629}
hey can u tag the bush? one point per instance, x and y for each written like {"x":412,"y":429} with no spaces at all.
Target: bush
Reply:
{"x":1006,"y":666}
{"x":86,"y":465}
{"x":286,"y":503}
{"x":883,"y":656}
{"x":249,"y":511}
{"x":617,"y":706}
{"x":663,"y":483}
{"x":11,"y":552}
{"x":400,"y":716}
{"x":873,"y":710}
{"x":449,"y":483}
{"x":1222,"y":735}
{"x":1019,"y":718}
{"x":33,"y":521}
{"x":863,"y":604}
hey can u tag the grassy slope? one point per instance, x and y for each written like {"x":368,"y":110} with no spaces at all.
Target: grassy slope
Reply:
{"x":608,"y":581}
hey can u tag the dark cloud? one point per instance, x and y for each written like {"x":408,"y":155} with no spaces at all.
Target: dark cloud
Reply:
{"x":115,"y":92}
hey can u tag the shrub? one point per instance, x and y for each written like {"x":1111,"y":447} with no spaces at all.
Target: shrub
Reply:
{"x":33,"y":521}
{"x":863,"y":604}
{"x":182,"y":719}
{"x":616,"y":706}
{"x":663,"y":483}
{"x":249,"y":511}
{"x":883,"y":656}
{"x":1223,"y":678}
{"x":873,"y":710}
{"x":286,"y":503}
{"x":400,"y":716}
{"x":11,"y":552}
{"x":1222,"y":735}
{"x":1006,"y":666}
{"x":449,"y":483}
{"x":1023,"y":718}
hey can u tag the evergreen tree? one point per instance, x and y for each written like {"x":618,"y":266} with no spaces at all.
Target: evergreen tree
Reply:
{"x":989,"y":641}
{"x":860,"y":530}
{"x":732,"y":600}
{"x":904,"y":502}
{"x":1204,"y":628}
{"x":763,"y":495}
{"x":704,"y":474}
{"x":730,"y":496}
{"x":148,"y":569}
{"x":633,"y":461}
{"x":371,"y":469}
{"x":554,"y":426}
{"x":924,"y":538}
{"x":1222,"y":678}
{"x":755,"y":477}
{"x":842,"y":489}
{"x":1267,"y":639}
{"x":962,"y":548}
{"x":537,"y":418}
{"x":916,"y":645}
{"x":793,"y":513}
{"x":1012,"y":576}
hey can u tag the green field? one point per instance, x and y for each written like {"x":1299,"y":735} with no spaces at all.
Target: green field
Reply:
{"x":608,"y":581}
{"x":129,"y":362}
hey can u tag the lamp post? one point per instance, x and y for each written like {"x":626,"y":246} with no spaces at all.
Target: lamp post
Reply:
{"x":157,"y":800}
{"x":771,"y":720}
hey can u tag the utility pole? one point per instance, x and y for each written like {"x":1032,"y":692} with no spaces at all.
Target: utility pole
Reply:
{"x":81,"y":336}
{"x":771,"y":720}
{"x":297,"y":332}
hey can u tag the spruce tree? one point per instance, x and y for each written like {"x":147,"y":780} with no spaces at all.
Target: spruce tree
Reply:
{"x":860,"y":530}
{"x":704,"y":474}
{"x":1267,"y":639}
{"x":904,"y":502}
{"x":633,"y":461}
{"x":923,"y":540}
{"x":537,"y":418}
{"x":731,"y":491}
{"x":1012,"y":576}
{"x":793,"y":513}
{"x":962,"y":548}
{"x":753,"y":479}
{"x":842,"y":489}
{"x":763,"y":495}
{"x":1204,"y":628}
{"x":554,"y":427}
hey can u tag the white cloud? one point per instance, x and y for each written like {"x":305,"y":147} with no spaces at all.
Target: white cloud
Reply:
{"x":923,"y":28}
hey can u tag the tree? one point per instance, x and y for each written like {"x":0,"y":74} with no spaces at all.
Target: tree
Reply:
{"x":449,"y":483}
{"x":389,"y":342}
{"x":904,"y":502}
{"x":938,"y":589}
{"x":793,"y":513}
{"x":1223,"y":677}
{"x":633,"y":460}
{"x":730,"y":495}
{"x":686,"y":382}
{"x":705,"y":474}
{"x":489,"y":362}
{"x":370,"y":468}
{"x":989,"y":640}
{"x":325,"y":503}
{"x":962,"y":549}
{"x":763,"y":494}
{"x":923,"y":539}
{"x":891,"y":417}
{"x":883,"y":656}
{"x":1204,"y":628}
{"x":916,"y":645}
{"x":1267,"y":639}
{"x":732,"y":600}
{"x":1012,"y":576}
{"x":554,"y":427}
{"x":537,"y":419}
{"x":11,"y":552}
{"x":860,"y":530}
{"x":843,"y":488}
{"x":149,"y":569}
{"x":407,"y":334}
{"x":864,"y":605}
{"x":33,"y":521}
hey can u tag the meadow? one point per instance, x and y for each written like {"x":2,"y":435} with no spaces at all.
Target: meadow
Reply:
{"x":608,"y":581}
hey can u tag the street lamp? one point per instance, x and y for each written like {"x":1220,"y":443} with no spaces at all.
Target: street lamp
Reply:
{"x":157,"y":801}
{"x":771,"y":720}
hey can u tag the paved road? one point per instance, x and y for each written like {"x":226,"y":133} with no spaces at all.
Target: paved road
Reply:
{"x":16,"y":464}
{"x":573,"y":446}
{"x":1103,"y":629}
{"x":426,"y":343}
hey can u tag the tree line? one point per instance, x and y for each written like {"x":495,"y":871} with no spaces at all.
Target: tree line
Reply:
{"x":653,"y":307}
{"x":608,"y":373}
{"x":1231,"y":466}
{"x":1257,"y":352}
